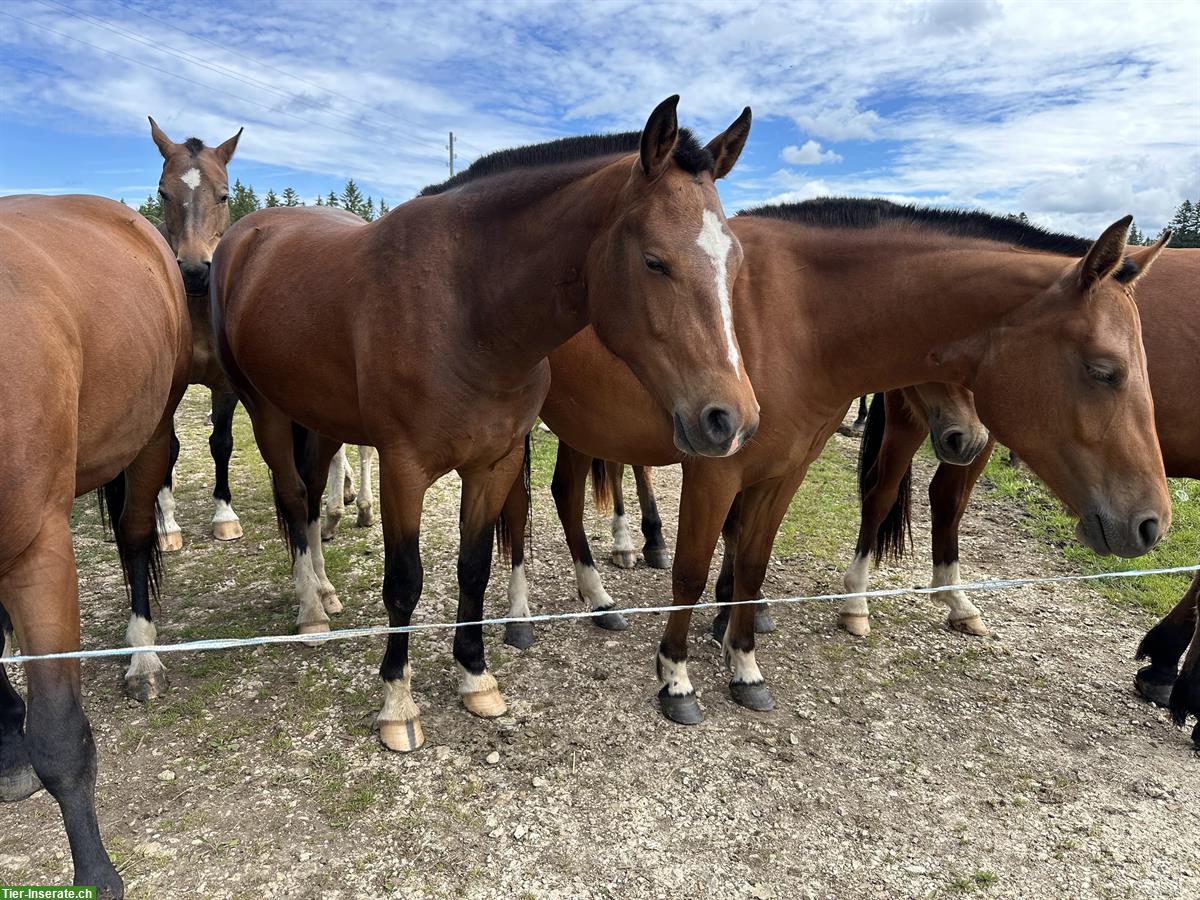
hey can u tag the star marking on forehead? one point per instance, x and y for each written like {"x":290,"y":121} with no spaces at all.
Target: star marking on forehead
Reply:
{"x":191,"y":178}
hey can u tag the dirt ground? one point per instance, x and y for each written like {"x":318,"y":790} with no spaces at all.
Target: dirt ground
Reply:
{"x":917,"y":763}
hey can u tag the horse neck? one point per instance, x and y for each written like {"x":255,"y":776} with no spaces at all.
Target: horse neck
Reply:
{"x":894,"y":309}
{"x":530,"y":255}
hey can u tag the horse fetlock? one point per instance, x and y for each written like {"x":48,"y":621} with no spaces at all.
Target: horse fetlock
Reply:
{"x":481,"y":695}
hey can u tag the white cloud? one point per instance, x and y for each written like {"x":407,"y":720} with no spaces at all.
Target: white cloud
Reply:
{"x":810,"y":154}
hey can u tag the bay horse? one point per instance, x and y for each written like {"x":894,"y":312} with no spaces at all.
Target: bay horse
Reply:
{"x":194,"y":192}
{"x":1169,"y":303}
{"x":842,"y":297}
{"x":441,"y":315}
{"x":97,"y":332}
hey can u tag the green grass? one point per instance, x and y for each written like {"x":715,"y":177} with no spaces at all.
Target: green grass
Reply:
{"x":1046,"y":519}
{"x":822,"y":520}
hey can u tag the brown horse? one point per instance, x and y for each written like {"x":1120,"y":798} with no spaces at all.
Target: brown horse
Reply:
{"x":425,"y":334}
{"x":96,"y":345}
{"x":1168,"y":302}
{"x":841,"y":297}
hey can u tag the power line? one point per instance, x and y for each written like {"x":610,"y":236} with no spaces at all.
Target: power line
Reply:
{"x":211,"y":66}
{"x":138,"y":62}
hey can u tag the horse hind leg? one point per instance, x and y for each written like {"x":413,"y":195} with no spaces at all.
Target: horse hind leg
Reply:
{"x":366,"y":490}
{"x":17,"y":778}
{"x":170,"y":535}
{"x":654,"y":550}
{"x":1185,"y":695}
{"x":516,"y":517}
{"x":335,"y":502}
{"x":314,"y":467}
{"x":624,"y":556}
{"x":41,"y":595}
{"x":568,"y":487}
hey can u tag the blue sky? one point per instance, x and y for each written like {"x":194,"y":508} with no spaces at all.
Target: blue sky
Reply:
{"x":1077,"y":113}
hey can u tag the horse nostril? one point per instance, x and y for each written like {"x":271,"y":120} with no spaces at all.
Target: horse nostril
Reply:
{"x":955,"y":440}
{"x":1148,"y":531}
{"x":717,"y":425}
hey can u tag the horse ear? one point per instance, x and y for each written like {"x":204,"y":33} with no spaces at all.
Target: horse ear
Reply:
{"x":1138,"y":261}
{"x":727,"y":146}
{"x":659,"y":137}
{"x":225,"y":151}
{"x":1106,"y":254}
{"x":165,"y":144}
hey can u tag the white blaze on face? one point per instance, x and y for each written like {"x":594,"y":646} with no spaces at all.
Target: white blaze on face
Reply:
{"x":191,"y":178}
{"x":716,"y":242}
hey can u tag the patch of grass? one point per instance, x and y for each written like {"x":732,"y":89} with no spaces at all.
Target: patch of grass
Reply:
{"x":1046,"y":519}
{"x":822,"y":521}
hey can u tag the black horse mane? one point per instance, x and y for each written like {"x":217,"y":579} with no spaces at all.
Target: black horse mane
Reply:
{"x":193,"y":145}
{"x":690,"y":156}
{"x":861,"y":212}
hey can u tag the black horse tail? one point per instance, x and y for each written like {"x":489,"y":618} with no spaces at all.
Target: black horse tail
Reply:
{"x":111,"y":500}
{"x":503,"y":526}
{"x":896,"y":526}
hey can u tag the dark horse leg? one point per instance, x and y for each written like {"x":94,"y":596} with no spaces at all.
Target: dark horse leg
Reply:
{"x":130,"y":499}
{"x":949,"y":493}
{"x":860,"y":421}
{"x":1165,"y":643}
{"x":225,"y":524}
{"x":17,"y":778}
{"x":569,"y":490}
{"x":623,"y":554}
{"x":170,"y":536}
{"x":516,"y":518}
{"x":730,"y":532}
{"x":654,"y":550}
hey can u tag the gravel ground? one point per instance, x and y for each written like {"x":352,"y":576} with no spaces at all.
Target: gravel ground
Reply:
{"x":917,"y":763}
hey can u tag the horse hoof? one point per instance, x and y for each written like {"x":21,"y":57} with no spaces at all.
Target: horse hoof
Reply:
{"x":403,"y":736}
{"x":227,"y":531}
{"x":763,"y":623}
{"x":366,"y":518}
{"x":312,"y":628}
{"x":519,"y":635}
{"x":682,"y":709}
{"x":331,"y":604}
{"x":1155,"y":684}
{"x":858,"y":426}
{"x":973,"y":625}
{"x":624,"y":559}
{"x":752,"y":696}
{"x":349,"y":496}
{"x":329,"y":528}
{"x":146,"y":686}
{"x":170,"y":542}
{"x":611,"y":621}
{"x":658,"y":558}
{"x":857,"y":624}
{"x":485,"y":704}
{"x":18,"y":783}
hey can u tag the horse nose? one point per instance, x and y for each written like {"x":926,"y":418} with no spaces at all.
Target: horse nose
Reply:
{"x":1149,"y":531}
{"x":195,"y":274}
{"x":717,"y":425}
{"x":955,"y":440}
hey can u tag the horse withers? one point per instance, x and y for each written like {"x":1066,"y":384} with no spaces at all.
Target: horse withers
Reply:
{"x":425,"y":334}
{"x":97,"y":332}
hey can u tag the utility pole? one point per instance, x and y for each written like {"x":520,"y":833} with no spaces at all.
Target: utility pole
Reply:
{"x":450,"y":147}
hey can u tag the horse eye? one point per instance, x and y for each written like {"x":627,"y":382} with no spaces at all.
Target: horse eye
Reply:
{"x":1105,"y":375}
{"x":223,"y":198}
{"x":656,"y":265}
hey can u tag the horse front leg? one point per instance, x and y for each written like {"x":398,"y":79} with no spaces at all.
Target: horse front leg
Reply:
{"x":170,"y":536}
{"x":515,"y":520}
{"x":1165,"y":643}
{"x":654,"y":550}
{"x":335,"y":502}
{"x":225,"y":524}
{"x":365,"y":500}
{"x":949,"y":494}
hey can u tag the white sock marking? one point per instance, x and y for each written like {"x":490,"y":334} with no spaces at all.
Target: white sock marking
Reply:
{"x":473,"y":684}
{"x":366,"y":496}
{"x":588,"y":581}
{"x":716,"y":241}
{"x":166,"y":503}
{"x":518,"y":593}
{"x":308,"y":588}
{"x":856,"y":579}
{"x":142,"y":633}
{"x":191,"y":178}
{"x":674,"y":675}
{"x":622,"y":539}
{"x":960,"y":607}
{"x":398,"y":703}
{"x":741,"y":663}
{"x":313,"y":530}
{"x":224,"y":513}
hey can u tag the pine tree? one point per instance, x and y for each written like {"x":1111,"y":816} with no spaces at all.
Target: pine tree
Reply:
{"x":384,"y":209}
{"x":320,"y":200}
{"x":271,"y":199}
{"x":1185,"y":225}
{"x":151,"y":209}
{"x":368,"y":210}
{"x":290,"y":197}
{"x":1135,"y":236}
{"x":352,"y":198}
{"x":242,"y":201}
{"x":332,"y":199}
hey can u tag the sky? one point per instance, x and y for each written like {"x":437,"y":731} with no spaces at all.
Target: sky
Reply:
{"x":1076,"y":113}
